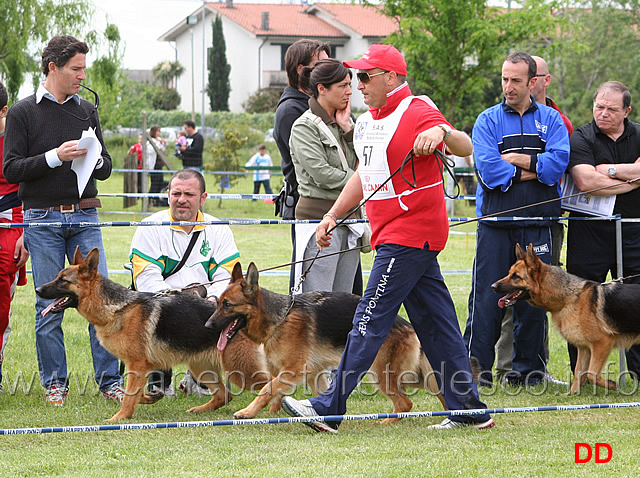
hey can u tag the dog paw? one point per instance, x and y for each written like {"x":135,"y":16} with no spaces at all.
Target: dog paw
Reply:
{"x":243,"y":414}
{"x":275,"y":407}
{"x":389,"y":421}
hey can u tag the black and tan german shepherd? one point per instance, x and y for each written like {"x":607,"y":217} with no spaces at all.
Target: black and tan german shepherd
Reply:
{"x":302,"y":340}
{"x":594,"y":317}
{"x":155,"y":331}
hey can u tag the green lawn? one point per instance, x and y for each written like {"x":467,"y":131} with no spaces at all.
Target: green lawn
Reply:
{"x":522,"y":444}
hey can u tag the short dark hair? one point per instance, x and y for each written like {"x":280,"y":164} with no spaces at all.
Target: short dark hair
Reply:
{"x":521,"y":56}
{"x":301,"y":53}
{"x":615,"y":86}
{"x":60,"y":50}
{"x":325,"y":72}
{"x":4,"y":96}
{"x":190,"y":124}
{"x":184,"y":174}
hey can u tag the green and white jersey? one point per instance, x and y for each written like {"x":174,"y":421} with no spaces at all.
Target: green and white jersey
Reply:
{"x":158,"y":249}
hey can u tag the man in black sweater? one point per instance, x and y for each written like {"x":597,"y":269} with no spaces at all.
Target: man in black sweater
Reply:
{"x":192,"y":151}
{"x":41,"y":146}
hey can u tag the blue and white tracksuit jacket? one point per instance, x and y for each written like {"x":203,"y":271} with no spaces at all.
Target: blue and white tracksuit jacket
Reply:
{"x":541,"y":133}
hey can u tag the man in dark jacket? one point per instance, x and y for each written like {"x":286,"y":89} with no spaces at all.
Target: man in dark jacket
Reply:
{"x":293,"y":102}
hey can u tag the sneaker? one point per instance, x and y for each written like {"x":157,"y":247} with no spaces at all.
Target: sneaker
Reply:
{"x":303,"y":408}
{"x":115,"y":393}
{"x":188,"y":385}
{"x":1,"y":389}
{"x":515,"y":379}
{"x":170,"y":392}
{"x":555,"y":381}
{"x":447,"y":423}
{"x":56,"y":395}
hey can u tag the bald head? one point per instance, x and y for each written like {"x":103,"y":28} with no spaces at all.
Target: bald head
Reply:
{"x":539,"y":89}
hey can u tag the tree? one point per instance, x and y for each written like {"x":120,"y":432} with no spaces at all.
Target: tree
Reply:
{"x":105,"y":76}
{"x":165,"y":98}
{"x":167,"y":73}
{"x":585,"y":51}
{"x":25,"y":25}
{"x":218,"y":87}
{"x":454,"y":48}
{"x":263,"y":100}
{"x":225,"y":152}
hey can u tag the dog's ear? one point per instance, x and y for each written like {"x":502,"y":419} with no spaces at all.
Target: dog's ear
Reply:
{"x":251,"y":282}
{"x":92,"y":259}
{"x":531,"y":257}
{"x":237,"y":272}
{"x":519,"y":251}
{"x":77,"y":257}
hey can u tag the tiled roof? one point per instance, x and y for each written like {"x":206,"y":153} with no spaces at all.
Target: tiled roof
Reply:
{"x":367,"y":21}
{"x":284,"y":20}
{"x":299,"y":21}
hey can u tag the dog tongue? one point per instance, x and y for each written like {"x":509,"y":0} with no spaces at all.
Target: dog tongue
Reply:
{"x":223,"y":340}
{"x":48,"y":308}
{"x":502,"y":302}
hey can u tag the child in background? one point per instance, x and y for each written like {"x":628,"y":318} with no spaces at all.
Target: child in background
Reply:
{"x":181,"y":140}
{"x":261,"y":176}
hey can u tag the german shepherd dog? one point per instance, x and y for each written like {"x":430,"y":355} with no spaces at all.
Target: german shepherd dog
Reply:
{"x":594,"y":317}
{"x":154,"y":331}
{"x":303,"y":339}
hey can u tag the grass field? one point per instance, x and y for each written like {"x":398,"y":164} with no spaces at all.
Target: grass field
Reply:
{"x":522,"y":444}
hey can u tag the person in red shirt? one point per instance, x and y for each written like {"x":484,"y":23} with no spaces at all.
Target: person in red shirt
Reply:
{"x":13,"y":254}
{"x":409,"y":227}
{"x":137,"y":149}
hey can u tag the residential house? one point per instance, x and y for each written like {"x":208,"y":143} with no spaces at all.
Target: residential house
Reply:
{"x":257,"y":36}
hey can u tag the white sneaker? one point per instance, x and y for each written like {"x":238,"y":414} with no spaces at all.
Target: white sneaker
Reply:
{"x":303,"y":408}
{"x":170,"y":392}
{"x":188,"y":385}
{"x":555,"y":381}
{"x":447,"y":423}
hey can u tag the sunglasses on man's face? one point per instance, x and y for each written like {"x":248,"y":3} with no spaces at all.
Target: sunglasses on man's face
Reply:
{"x":365,"y":77}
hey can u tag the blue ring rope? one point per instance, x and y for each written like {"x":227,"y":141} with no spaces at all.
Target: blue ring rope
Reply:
{"x":328,"y":418}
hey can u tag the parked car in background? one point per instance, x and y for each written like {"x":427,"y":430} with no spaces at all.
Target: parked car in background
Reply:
{"x":268,"y":137}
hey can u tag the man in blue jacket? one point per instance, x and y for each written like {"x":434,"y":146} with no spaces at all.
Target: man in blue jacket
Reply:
{"x":521,"y":152}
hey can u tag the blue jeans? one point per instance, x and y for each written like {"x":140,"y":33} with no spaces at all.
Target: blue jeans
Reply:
{"x":409,"y":276}
{"x":48,"y":247}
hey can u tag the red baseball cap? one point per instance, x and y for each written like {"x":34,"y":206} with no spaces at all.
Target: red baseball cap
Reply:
{"x":385,"y":57}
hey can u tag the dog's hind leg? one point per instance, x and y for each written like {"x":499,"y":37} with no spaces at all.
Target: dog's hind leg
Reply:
{"x":391,"y":372}
{"x":220,"y":395}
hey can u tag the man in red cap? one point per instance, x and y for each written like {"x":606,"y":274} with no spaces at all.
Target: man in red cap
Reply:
{"x":409,"y":228}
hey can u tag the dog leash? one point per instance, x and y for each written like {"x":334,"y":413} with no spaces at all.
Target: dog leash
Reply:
{"x":443,"y":163}
{"x":475,"y":219}
{"x":193,"y":286}
{"x":409,"y":157}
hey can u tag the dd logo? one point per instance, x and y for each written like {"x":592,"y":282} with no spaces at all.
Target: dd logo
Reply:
{"x":589,"y":453}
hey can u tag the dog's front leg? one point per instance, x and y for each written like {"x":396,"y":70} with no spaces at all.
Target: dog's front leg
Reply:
{"x":275,"y":388}
{"x":580,"y":373}
{"x":599,"y":355}
{"x":136,"y":380}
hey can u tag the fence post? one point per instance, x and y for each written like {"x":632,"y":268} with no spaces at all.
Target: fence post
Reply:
{"x":623,"y":360}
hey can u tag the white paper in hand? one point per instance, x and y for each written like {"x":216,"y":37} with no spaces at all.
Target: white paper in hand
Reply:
{"x":84,"y":165}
